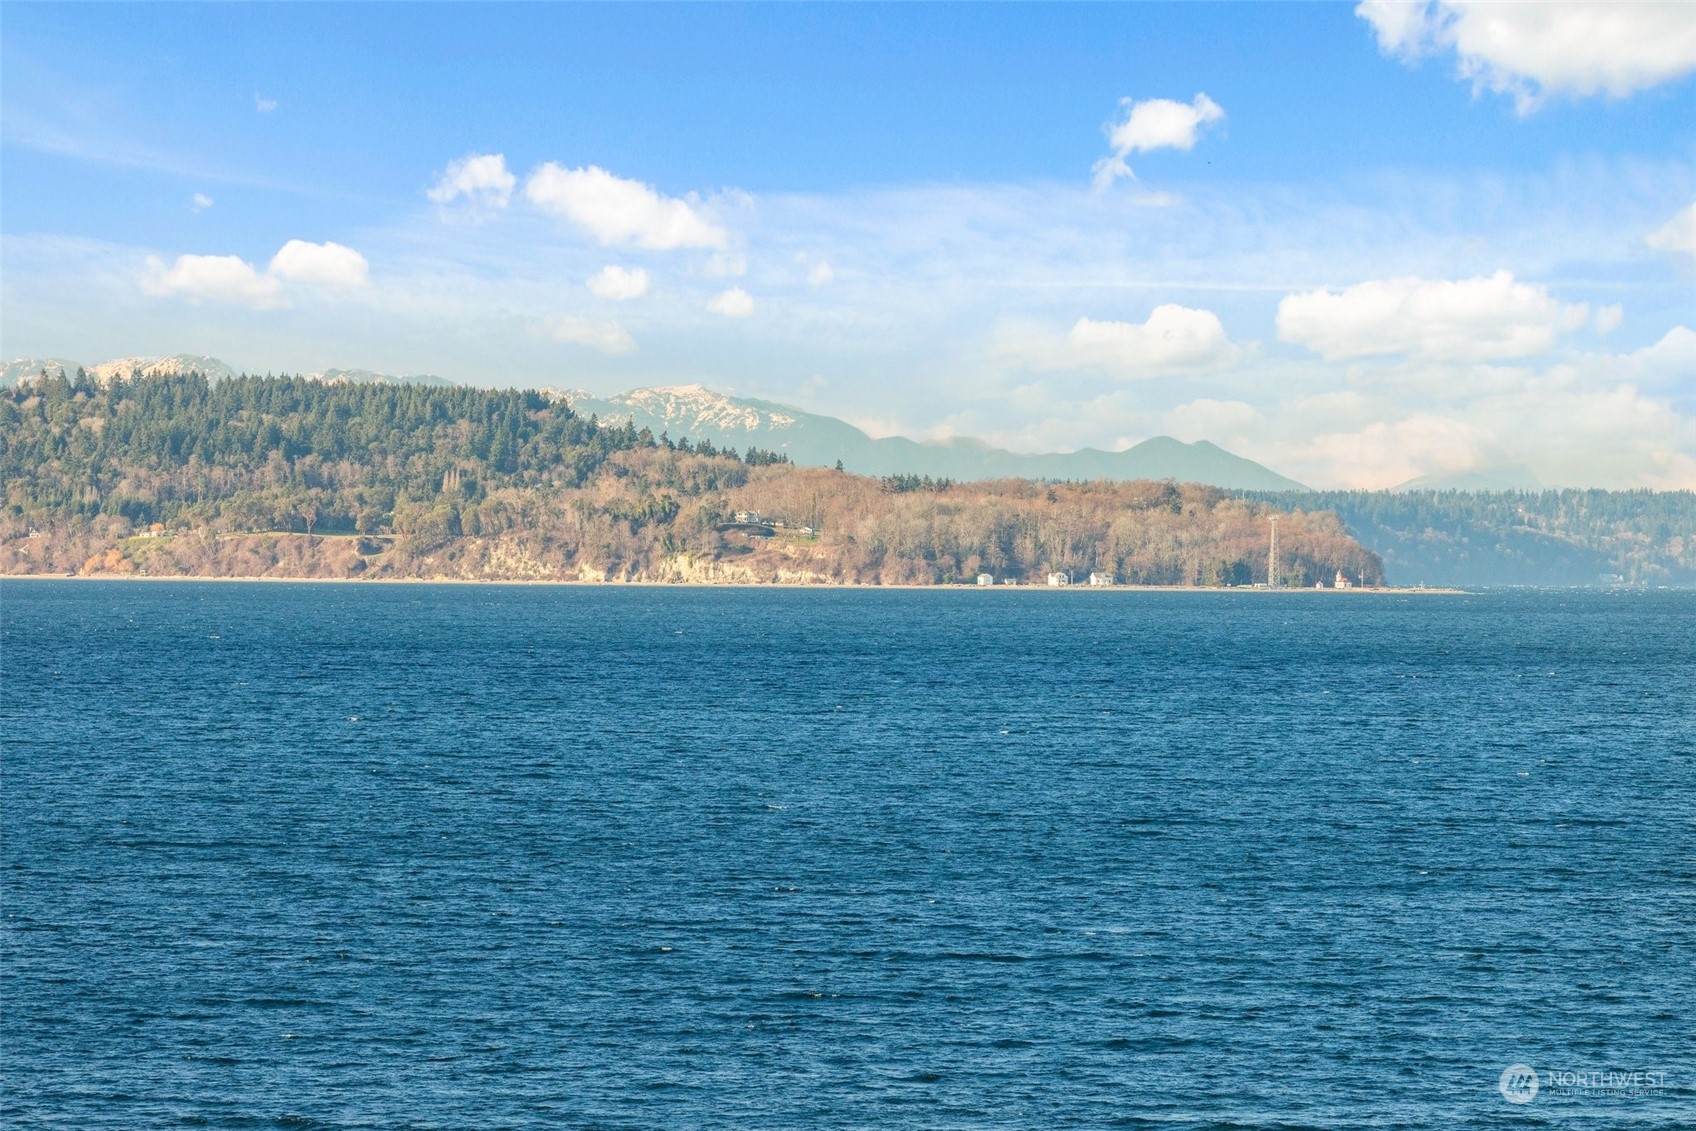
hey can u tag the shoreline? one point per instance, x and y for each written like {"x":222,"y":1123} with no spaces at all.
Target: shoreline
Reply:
{"x":578,"y":584}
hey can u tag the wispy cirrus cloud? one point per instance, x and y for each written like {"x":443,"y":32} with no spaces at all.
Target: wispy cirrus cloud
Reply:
{"x":1677,"y":234}
{"x":96,"y":143}
{"x":599,"y":334}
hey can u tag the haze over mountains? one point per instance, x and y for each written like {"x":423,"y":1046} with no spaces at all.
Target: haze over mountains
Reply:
{"x":808,"y":439}
{"x":820,"y":441}
{"x":1480,"y":529}
{"x":125,"y":368}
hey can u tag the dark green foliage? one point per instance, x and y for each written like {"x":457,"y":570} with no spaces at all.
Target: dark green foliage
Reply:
{"x":901,"y":484}
{"x":270,"y":453}
{"x":760,"y":457}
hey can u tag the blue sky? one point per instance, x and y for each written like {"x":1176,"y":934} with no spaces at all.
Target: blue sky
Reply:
{"x":1359,"y":245}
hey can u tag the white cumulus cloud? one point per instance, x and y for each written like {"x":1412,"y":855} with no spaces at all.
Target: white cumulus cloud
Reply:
{"x":1669,"y":360}
{"x":1537,"y":48}
{"x":1207,"y":418}
{"x":230,"y":278}
{"x":1614,"y":437}
{"x":1174,"y":340}
{"x":1479,"y":319}
{"x":1388,"y":453}
{"x":734,"y":303}
{"x":618,"y":283}
{"x":219,"y":278}
{"x":1677,"y":234}
{"x":199,"y":202}
{"x":819,"y":271}
{"x":1665,"y":364}
{"x":481,"y":178}
{"x":619,"y":211}
{"x":605,"y":336}
{"x":326,"y":264}
{"x":1156,"y":123}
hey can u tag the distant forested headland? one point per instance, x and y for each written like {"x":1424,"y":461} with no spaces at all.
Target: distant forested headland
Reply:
{"x":289,"y":477}
{"x":1549,"y":537}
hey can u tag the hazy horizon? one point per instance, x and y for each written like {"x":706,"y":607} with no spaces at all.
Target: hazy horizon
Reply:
{"x":1357,"y":246}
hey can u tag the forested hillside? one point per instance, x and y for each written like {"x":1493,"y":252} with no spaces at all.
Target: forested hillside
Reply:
{"x":290,"y":477}
{"x":266,"y":453}
{"x":1565,"y":537}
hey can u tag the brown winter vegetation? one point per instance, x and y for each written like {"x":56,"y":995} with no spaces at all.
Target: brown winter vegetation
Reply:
{"x":284,"y":477}
{"x":658,"y":515}
{"x":288,"y":477}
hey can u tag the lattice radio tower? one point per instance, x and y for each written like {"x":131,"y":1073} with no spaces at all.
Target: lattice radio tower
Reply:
{"x":1272,"y":557}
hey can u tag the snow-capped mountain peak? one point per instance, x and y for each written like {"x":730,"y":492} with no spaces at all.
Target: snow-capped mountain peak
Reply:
{"x":696,"y":409}
{"x":125,"y":368}
{"x":24,"y":370}
{"x":699,"y":413}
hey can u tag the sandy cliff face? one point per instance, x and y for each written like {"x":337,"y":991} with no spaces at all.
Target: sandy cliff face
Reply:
{"x":691,"y":569}
{"x":280,"y":556}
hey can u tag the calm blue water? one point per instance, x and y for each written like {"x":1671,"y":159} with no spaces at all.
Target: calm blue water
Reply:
{"x":418,"y":856}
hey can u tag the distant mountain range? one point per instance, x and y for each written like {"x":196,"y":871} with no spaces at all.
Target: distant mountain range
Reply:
{"x":820,"y":441}
{"x":1501,"y":477}
{"x":125,"y":368}
{"x":1488,"y":526}
{"x":806,"y":438}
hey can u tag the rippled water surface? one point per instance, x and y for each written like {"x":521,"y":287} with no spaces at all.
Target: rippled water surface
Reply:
{"x":420,"y":856}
